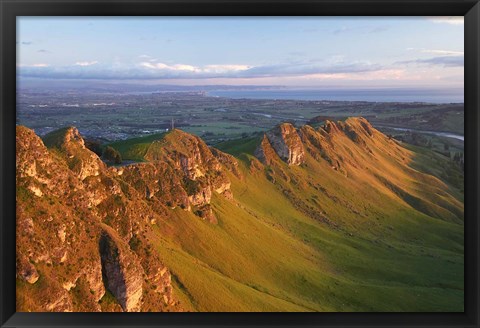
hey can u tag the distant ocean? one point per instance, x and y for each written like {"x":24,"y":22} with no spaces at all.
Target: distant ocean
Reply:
{"x":372,"y":95}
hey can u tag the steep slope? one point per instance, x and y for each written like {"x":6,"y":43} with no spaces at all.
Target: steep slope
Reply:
{"x":69,"y":207}
{"x":181,"y":171}
{"x":328,"y":219}
{"x":363,"y":154}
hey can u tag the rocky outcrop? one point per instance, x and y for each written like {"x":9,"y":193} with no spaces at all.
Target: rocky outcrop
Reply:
{"x":265,"y":152}
{"x":327,"y":142}
{"x":182,"y":171}
{"x":228,"y":161}
{"x":122,"y":272}
{"x":38,"y":170}
{"x":82,"y":161}
{"x":87,"y":232}
{"x":330,"y":128}
{"x":199,"y":195}
{"x":157,"y":274}
{"x":356,"y":129}
{"x":93,"y":276}
{"x":184,"y":151}
{"x":319,"y":145}
{"x":63,"y":213}
{"x":286,"y":143}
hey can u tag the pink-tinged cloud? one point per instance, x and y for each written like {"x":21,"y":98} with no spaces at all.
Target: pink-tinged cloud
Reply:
{"x":156,"y":70}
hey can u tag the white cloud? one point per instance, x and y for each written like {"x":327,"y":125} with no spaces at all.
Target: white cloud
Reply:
{"x":188,"y":68}
{"x":33,"y":65}
{"x":157,"y":70}
{"x":211,"y":69}
{"x":154,"y":65}
{"x":452,"y":20}
{"x":86,"y":63}
{"x":443,"y":52}
{"x":225,"y":68}
{"x":165,"y":67}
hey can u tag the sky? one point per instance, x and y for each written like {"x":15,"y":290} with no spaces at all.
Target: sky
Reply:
{"x":308,"y":52}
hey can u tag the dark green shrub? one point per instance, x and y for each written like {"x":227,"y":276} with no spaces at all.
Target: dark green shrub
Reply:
{"x":112,"y":155}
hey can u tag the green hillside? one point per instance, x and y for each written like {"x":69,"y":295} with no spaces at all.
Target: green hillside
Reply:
{"x":135,"y":148}
{"x":361,"y":223}
{"x":267,"y":256}
{"x":238,"y":147}
{"x":367,"y":250}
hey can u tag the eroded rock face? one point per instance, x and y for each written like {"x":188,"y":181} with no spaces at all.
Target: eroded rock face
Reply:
{"x":285,"y":142}
{"x":93,"y":276}
{"x":182,"y":171}
{"x":331,"y":128}
{"x":228,"y":161}
{"x":37,"y":170}
{"x":82,"y":161}
{"x":201,"y":196}
{"x":265,"y":152}
{"x":328,"y":143}
{"x":121,"y":271}
{"x":61,"y":216}
{"x":319,"y":145}
{"x":185,"y":152}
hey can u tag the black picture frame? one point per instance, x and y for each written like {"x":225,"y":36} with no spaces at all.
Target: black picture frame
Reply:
{"x":9,"y":9}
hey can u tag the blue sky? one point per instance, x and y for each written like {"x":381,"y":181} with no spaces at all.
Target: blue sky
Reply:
{"x":302,"y":51}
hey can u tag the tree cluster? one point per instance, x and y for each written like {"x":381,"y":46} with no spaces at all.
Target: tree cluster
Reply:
{"x":110,"y":154}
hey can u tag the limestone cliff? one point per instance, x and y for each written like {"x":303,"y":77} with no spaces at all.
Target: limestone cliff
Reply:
{"x":286,"y":142}
{"x":182,"y":171}
{"x":327,"y":142}
{"x":81,"y":231}
{"x":83,"y":227}
{"x":121,"y":270}
{"x":80,"y":160}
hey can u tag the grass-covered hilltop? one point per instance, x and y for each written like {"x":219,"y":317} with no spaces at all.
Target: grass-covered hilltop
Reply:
{"x":332,"y":217}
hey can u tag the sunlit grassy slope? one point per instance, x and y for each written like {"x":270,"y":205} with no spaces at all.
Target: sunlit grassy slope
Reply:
{"x":382,"y":237}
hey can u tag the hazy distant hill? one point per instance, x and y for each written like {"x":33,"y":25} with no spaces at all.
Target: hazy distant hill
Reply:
{"x":335,"y":218}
